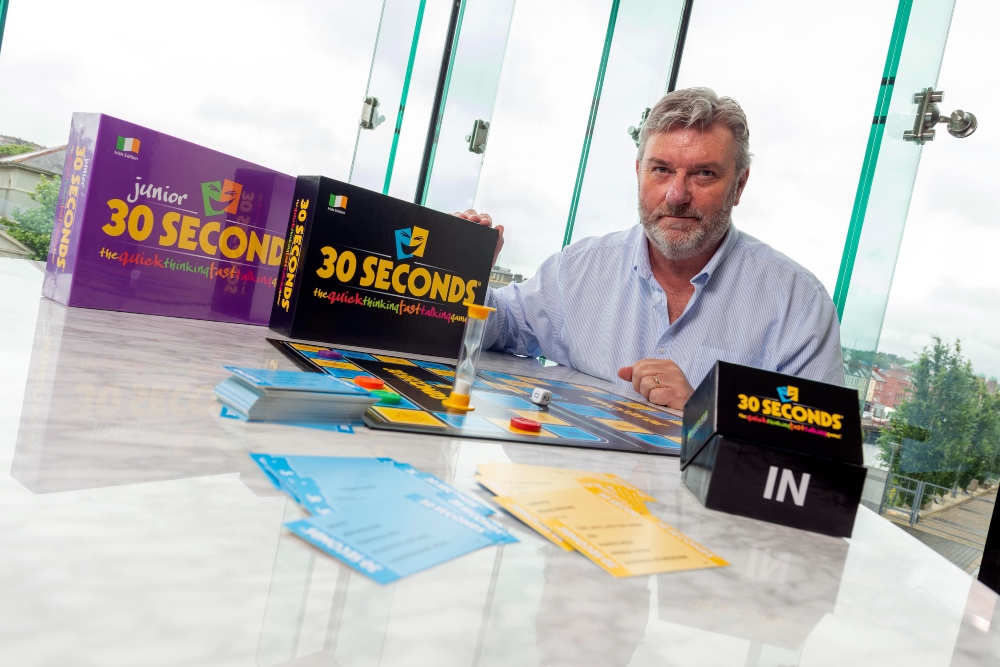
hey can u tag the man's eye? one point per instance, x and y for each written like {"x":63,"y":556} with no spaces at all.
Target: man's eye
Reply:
{"x":706,"y":173}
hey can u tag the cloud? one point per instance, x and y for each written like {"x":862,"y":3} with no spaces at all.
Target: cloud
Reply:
{"x":159,"y":69}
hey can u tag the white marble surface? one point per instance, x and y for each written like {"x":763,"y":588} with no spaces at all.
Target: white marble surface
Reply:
{"x":134,"y":530}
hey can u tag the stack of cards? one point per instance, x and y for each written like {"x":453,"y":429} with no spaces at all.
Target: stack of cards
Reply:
{"x":261,"y":394}
{"x":382,"y":518}
{"x":600,"y":515}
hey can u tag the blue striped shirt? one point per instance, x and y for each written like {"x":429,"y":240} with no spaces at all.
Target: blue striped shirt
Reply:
{"x":596,"y":307}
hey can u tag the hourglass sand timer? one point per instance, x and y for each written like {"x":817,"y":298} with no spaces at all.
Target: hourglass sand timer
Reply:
{"x":468,"y":358}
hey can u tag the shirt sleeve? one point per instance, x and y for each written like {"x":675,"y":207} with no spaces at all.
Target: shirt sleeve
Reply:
{"x":529,"y":317}
{"x":814,"y":350}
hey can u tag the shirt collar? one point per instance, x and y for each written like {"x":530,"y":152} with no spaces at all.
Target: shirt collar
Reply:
{"x":640,"y":257}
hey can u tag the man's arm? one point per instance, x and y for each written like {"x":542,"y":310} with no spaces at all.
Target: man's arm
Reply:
{"x":810,"y":348}
{"x":530,"y":317}
{"x":813,"y":347}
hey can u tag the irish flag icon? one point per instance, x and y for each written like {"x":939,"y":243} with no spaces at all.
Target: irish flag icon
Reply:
{"x":338,"y":201}
{"x":128,"y":144}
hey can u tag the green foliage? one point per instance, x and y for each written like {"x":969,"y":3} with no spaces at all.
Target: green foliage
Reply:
{"x":33,"y":228}
{"x":6,"y":150}
{"x":885,"y":360}
{"x":949,"y":426}
{"x":868,"y":358}
{"x":878,"y":359}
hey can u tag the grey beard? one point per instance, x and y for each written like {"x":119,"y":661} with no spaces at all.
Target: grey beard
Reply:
{"x":699,"y":240}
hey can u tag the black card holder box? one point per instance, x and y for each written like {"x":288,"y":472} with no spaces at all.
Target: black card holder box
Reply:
{"x":774,"y":447}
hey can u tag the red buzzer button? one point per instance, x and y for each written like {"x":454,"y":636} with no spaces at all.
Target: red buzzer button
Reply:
{"x":368,"y":382}
{"x":522,"y":424}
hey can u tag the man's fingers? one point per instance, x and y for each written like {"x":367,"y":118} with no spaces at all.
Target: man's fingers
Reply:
{"x":659,"y":381}
{"x":484,"y":219}
{"x":668,"y":389}
{"x":646,"y":385}
{"x":667,"y":396}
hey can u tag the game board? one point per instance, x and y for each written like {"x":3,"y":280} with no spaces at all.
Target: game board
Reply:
{"x":578,"y":416}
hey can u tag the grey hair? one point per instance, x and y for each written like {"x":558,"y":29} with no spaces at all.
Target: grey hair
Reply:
{"x":701,"y":108}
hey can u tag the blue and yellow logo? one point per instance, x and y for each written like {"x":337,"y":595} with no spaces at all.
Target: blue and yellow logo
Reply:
{"x":413,"y":239}
{"x":788,"y":394}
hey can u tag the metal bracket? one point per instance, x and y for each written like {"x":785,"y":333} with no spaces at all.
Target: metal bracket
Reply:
{"x":369,"y":114}
{"x":634,"y":131}
{"x":960,"y":123}
{"x":480,"y":133}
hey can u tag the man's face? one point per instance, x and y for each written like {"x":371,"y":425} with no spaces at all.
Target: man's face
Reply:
{"x":688,"y":186}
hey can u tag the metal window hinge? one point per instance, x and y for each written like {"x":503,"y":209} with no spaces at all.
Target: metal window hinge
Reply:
{"x":480,"y":133}
{"x":960,"y":123}
{"x":369,"y":114}
{"x":634,"y":131}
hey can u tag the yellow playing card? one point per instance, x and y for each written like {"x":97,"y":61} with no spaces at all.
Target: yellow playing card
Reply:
{"x":532,"y":520}
{"x":537,"y":509}
{"x":618,"y":539}
{"x":515,"y":479}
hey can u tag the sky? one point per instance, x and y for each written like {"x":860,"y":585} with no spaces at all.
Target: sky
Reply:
{"x":284,"y":89}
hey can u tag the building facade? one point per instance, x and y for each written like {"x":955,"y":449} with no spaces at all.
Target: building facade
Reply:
{"x":854,"y":378}
{"x":897,"y":386}
{"x":19,"y":174}
{"x":11,"y":247}
{"x":500,"y":276}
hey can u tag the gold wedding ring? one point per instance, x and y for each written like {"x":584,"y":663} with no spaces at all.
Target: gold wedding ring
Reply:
{"x":657,"y":382}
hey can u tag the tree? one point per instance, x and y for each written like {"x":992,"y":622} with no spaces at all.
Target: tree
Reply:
{"x":6,"y":150}
{"x":33,"y":227}
{"x":949,"y":426}
{"x":986,"y":438}
{"x":887,"y":360}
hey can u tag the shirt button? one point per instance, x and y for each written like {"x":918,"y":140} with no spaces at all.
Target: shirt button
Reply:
{"x":662,"y":350}
{"x":656,"y":297}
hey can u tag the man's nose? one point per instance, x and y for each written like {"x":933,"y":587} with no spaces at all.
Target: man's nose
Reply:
{"x":677,"y":192}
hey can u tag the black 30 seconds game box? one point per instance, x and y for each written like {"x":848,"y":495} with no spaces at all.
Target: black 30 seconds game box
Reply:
{"x":364,"y":269}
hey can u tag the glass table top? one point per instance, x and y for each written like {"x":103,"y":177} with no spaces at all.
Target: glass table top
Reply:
{"x":137,"y":531}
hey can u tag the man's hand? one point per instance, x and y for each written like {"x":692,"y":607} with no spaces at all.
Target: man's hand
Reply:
{"x":659,"y":381}
{"x":484,"y":219}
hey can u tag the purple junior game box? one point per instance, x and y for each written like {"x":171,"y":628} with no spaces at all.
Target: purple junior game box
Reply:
{"x":147,"y":223}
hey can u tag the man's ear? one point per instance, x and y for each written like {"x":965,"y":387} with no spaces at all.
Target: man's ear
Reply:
{"x":740,"y":184}
{"x":637,"y":168}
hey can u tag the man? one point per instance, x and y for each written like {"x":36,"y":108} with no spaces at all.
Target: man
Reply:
{"x":653,"y":307}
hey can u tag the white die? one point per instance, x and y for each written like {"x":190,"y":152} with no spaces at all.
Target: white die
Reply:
{"x":541,"y":396}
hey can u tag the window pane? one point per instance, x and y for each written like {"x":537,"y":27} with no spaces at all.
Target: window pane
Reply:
{"x":945,"y":285}
{"x":638,"y":71}
{"x":540,"y":116}
{"x":892,"y":179}
{"x":471,"y":93}
{"x":404,"y":73}
{"x":809,"y":102}
{"x":387,"y":92}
